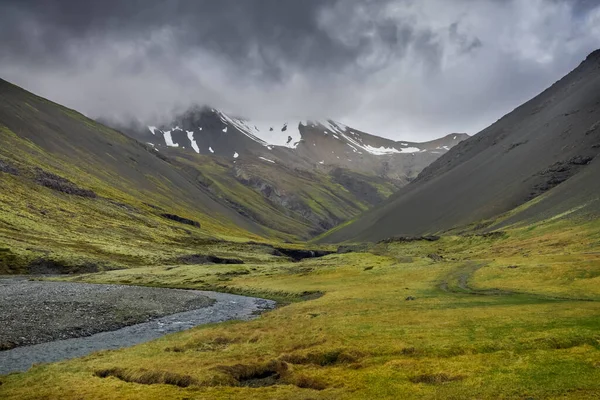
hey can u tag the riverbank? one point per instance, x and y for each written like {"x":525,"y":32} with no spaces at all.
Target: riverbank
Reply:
{"x":34,"y":312}
{"x":224,"y":307}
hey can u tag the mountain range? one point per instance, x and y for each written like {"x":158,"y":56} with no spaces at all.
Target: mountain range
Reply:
{"x":77,"y":192}
{"x":298,"y":177}
{"x":307,"y":144}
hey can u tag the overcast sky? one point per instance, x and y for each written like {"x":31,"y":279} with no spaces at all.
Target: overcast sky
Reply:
{"x":405,"y":69}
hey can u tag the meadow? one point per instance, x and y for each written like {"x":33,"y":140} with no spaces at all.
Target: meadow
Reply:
{"x":511,"y":315}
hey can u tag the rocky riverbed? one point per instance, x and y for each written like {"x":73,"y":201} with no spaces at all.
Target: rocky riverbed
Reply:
{"x":225,"y":307}
{"x":33,"y":312}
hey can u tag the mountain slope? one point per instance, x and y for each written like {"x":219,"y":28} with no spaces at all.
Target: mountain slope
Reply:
{"x":300,"y":178}
{"x":310,"y":145}
{"x":73,"y":188}
{"x":295,"y":203}
{"x":546,"y":147}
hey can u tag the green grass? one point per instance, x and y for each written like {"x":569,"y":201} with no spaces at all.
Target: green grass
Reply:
{"x":305,"y":202}
{"x":122,"y":227}
{"x":476,"y":328}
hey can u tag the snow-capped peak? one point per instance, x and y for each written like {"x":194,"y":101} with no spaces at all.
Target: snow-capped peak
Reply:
{"x":267,"y":133}
{"x":287,"y":133}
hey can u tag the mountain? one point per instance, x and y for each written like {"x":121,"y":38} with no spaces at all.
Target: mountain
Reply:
{"x":78,"y":194}
{"x":297,"y":177}
{"x":309,"y":145}
{"x":73,"y":189}
{"x":537,"y":162}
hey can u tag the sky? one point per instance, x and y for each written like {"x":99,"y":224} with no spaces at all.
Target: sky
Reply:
{"x":403,"y":69}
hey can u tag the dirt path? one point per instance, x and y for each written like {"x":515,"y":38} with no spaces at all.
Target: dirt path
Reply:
{"x":457,"y":281}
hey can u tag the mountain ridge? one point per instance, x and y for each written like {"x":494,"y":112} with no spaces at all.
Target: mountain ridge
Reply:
{"x":310,"y":145}
{"x":534,"y":151}
{"x":309,"y":176}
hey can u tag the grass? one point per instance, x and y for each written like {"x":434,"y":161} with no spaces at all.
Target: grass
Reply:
{"x":50,"y":154}
{"x":475,"y":329}
{"x":121,"y":227}
{"x":305,"y":202}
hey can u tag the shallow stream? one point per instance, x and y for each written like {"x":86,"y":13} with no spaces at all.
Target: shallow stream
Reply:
{"x":226,"y":307}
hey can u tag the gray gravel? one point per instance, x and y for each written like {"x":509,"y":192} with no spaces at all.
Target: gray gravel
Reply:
{"x":38,"y":312}
{"x":226,"y":307}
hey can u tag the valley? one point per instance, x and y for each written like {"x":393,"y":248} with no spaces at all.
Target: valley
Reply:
{"x":513,"y":313}
{"x":184,"y":215}
{"x":299,"y":177}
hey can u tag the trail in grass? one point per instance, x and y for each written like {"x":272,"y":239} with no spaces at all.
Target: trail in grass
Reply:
{"x":227,"y":307}
{"x":457,"y":282}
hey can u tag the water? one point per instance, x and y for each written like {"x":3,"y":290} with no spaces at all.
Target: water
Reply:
{"x":227,"y":307}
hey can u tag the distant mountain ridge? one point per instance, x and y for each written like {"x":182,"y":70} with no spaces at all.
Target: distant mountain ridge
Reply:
{"x":322,"y":145}
{"x":297,"y":177}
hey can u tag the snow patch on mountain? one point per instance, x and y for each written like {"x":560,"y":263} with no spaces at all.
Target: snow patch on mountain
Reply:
{"x":190,"y":135}
{"x":266,"y":159}
{"x":378,"y":151}
{"x":267,"y":133}
{"x":411,"y":150}
{"x":287,"y":134}
{"x":333,"y":126}
{"x":169,"y":139}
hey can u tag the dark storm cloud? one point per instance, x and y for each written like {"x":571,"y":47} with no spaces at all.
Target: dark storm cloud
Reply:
{"x":44,"y":30}
{"x":403,"y":68}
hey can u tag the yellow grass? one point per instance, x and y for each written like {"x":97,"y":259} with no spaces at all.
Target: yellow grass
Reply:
{"x":476,"y":329}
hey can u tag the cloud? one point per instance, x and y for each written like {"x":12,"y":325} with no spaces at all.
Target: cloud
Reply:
{"x":401,"y":68}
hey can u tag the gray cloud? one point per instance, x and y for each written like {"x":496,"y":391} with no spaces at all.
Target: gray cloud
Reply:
{"x":401,"y":68}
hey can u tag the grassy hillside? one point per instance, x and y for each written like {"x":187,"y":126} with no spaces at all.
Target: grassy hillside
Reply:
{"x":76,"y":193}
{"x":78,"y":196}
{"x":290,"y":203}
{"x":510,"y":315}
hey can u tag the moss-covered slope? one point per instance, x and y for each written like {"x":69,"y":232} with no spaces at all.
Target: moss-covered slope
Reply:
{"x":74,"y":189}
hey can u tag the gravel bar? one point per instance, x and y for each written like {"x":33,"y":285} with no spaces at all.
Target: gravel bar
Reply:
{"x":33,"y":312}
{"x":222,"y":307}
